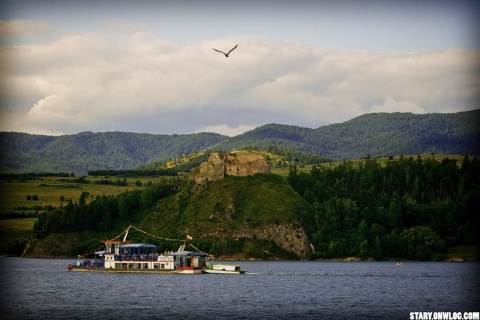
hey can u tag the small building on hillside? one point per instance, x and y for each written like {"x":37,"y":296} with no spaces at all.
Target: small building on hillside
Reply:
{"x":215,"y":168}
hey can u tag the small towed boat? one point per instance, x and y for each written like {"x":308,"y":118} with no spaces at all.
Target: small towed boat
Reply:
{"x":222,"y":268}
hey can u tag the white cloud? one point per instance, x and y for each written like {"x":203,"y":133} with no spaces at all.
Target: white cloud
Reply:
{"x":137,"y":82}
{"x":38,"y":107}
{"x":392,"y":105}
{"x":227,"y":130}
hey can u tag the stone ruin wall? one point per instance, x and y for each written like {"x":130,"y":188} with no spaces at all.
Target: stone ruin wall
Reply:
{"x":245,"y":165}
{"x":216,"y":168}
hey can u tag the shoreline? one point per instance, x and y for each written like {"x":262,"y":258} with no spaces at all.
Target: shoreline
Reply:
{"x":236,"y":258}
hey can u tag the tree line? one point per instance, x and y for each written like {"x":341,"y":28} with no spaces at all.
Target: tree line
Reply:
{"x":133,"y":173}
{"x":101,"y":213}
{"x":410,"y":208}
{"x":33,"y":175}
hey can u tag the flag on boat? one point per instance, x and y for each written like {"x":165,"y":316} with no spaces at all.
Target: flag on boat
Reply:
{"x":189,"y":238}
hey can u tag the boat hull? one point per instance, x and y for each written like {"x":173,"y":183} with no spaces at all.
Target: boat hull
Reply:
{"x":152,"y":271}
{"x":104,"y":270}
{"x":223,"y":271}
{"x":196,"y":271}
{"x":135,"y":270}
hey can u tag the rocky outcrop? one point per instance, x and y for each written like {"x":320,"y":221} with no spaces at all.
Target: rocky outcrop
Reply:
{"x":215,"y":168}
{"x":223,"y":219}
{"x":286,"y":236}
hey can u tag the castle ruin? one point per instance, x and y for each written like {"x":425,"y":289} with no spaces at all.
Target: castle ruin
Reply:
{"x":215,"y":168}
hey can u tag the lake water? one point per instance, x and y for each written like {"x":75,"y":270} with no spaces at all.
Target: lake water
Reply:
{"x":42,"y":288}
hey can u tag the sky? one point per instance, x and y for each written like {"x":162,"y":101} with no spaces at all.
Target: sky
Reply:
{"x":148,"y":66}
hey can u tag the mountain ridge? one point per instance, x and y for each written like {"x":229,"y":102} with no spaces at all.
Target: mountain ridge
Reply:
{"x":373,"y":134}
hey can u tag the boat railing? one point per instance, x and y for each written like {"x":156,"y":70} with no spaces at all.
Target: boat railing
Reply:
{"x":91,"y":264}
{"x":135,"y":257}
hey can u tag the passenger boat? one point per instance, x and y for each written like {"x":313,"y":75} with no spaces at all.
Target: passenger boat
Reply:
{"x":122,"y":256}
{"x":127,"y":257}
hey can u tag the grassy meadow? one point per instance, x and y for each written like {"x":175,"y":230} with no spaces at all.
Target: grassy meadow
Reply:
{"x":50,"y":191}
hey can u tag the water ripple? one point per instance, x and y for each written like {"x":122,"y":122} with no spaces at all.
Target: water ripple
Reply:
{"x":39,"y":289}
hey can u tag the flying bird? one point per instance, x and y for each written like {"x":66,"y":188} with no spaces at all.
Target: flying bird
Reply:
{"x":226,"y":54}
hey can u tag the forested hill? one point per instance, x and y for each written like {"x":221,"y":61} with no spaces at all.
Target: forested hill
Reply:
{"x":79,"y":153}
{"x":378,"y":134}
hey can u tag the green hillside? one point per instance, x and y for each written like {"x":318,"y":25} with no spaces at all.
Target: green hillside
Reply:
{"x":210,"y":214}
{"x":230,"y":204}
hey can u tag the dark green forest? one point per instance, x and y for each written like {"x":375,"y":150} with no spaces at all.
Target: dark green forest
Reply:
{"x":375,"y":135}
{"x":88,"y":151}
{"x":411,"y":208}
{"x":378,"y":134}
